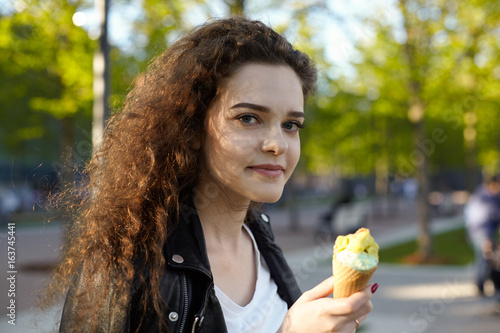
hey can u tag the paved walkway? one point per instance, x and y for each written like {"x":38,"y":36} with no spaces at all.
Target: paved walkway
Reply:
{"x":36,"y":252}
{"x":411,"y":299}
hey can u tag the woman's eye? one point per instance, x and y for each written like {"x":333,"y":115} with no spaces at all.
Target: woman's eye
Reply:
{"x":292,"y":126}
{"x":248,"y":119}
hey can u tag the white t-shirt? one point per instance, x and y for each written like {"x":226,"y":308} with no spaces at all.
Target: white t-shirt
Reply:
{"x":266,"y":310}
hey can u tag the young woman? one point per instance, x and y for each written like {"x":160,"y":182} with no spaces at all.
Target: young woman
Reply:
{"x":168,"y":238}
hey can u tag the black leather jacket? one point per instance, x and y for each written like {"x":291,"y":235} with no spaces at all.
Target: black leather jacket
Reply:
{"x":187,"y":284}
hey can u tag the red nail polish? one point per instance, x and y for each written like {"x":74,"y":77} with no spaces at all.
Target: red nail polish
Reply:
{"x":374,"y":288}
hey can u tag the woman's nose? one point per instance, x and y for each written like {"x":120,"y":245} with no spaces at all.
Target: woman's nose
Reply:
{"x":274,"y":141}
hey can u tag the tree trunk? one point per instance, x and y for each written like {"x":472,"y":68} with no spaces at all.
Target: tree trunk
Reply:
{"x":470,"y":119}
{"x":236,"y":7}
{"x":417,"y":42}
{"x":423,"y":209}
{"x":101,"y":76}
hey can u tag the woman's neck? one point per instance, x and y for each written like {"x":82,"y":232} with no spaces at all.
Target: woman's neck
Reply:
{"x":222,"y":220}
{"x":229,"y":247}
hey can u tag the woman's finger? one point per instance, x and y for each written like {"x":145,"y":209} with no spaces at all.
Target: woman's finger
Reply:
{"x":323,"y":289}
{"x":361,"y":297}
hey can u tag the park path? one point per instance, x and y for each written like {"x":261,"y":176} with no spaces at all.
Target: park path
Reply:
{"x":410,"y":299}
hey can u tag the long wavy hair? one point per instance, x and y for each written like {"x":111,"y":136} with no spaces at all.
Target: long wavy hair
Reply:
{"x":149,"y":161}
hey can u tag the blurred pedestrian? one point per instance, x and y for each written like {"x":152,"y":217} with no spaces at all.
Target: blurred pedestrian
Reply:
{"x":169,"y":238}
{"x":325,"y":226}
{"x":482,"y":218}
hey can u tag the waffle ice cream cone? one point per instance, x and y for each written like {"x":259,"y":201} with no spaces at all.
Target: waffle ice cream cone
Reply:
{"x":355,"y":259}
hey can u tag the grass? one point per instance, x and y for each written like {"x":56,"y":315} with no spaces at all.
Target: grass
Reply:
{"x":449,"y":248}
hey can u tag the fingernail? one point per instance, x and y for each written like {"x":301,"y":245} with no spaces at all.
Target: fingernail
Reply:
{"x":374,"y":288}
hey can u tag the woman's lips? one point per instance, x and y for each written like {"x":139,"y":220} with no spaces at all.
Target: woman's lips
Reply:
{"x":268,"y":170}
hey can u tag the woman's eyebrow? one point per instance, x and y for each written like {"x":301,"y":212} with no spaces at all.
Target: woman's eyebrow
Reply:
{"x":261,"y":108}
{"x":252,"y":106}
{"x":296,"y":114}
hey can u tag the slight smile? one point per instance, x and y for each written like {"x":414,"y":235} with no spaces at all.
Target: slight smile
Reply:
{"x":268,"y":170}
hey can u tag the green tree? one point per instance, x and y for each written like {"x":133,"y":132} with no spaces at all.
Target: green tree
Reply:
{"x":236,"y":7}
{"x":424,"y":98}
{"x":157,"y":26}
{"x":470,"y":50}
{"x":46,"y":86}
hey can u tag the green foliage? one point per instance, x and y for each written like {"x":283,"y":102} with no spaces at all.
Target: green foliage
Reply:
{"x":158,"y":25}
{"x":361,"y":124}
{"x":450,"y":248}
{"x":46,"y":70}
{"x":355,"y":125}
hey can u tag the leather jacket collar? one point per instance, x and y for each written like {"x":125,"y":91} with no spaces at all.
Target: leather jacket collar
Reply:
{"x":185,"y":248}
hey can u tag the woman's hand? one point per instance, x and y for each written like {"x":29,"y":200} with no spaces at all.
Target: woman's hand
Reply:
{"x":314,"y":311}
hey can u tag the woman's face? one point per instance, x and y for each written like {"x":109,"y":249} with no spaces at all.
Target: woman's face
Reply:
{"x":252,"y":140}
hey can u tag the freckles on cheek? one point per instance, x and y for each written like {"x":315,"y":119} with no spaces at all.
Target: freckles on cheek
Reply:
{"x":228,"y":156}
{"x":234,"y":144}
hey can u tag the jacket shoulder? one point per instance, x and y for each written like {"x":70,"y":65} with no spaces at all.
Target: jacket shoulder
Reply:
{"x":261,"y":221}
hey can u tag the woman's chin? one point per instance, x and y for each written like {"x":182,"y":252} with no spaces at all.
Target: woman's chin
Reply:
{"x":269,"y":198}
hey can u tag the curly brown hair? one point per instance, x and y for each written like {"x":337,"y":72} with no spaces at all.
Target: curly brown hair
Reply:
{"x":149,"y":161}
